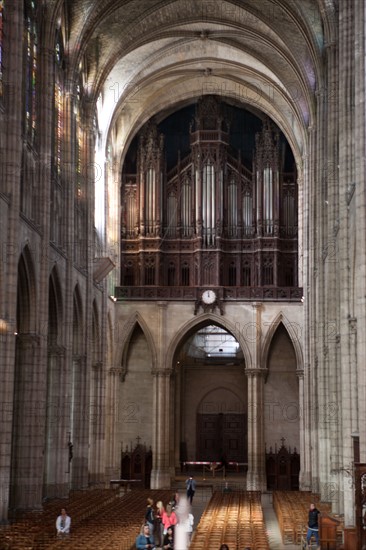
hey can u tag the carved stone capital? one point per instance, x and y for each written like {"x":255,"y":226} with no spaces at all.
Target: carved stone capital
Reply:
{"x":161,"y":373}
{"x":252,"y":373}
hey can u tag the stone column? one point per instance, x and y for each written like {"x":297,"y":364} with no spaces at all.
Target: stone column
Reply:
{"x":57,"y":426}
{"x":308,"y":224}
{"x":112,"y":447}
{"x":12,"y":163}
{"x":256,"y":477}
{"x":160,"y":475}
{"x":28,"y":425}
{"x":304,"y":477}
{"x":97,"y":424}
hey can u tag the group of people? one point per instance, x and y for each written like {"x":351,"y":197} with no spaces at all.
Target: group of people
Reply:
{"x":160,"y":525}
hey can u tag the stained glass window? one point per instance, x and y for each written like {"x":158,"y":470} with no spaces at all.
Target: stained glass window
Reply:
{"x":30,"y":76}
{"x":58,"y":104}
{"x":79,"y":146}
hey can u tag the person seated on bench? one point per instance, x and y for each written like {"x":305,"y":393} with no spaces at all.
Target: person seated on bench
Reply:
{"x":144,"y":539}
{"x":63,"y":523}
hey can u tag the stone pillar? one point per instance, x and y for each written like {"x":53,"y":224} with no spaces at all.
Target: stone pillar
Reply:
{"x":57,"y":426}
{"x":12,"y":163}
{"x":160,"y":475}
{"x":256,"y":477}
{"x":97,"y":423}
{"x":28,"y":425}
{"x":308,"y":231}
{"x":112,"y":449}
{"x":304,"y":477}
{"x":80,"y":415}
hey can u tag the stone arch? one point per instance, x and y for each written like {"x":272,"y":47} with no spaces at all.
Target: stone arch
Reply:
{"x":78,"y":322}
{"x":226,"y":387}
{"x":28,"y":385}
{"x":56,"y":404}
{"x":194,"y":324}
{"x":79,"y":398}
{"x":282,"y":361}
{"x":135,"y":397}
{"x":26,"y":293}
{"x":136,"y":320}
{"x":293,"y":331}
{"x":55,"y":308}
{"x":185,"y":424}
{"x":96,"y":334}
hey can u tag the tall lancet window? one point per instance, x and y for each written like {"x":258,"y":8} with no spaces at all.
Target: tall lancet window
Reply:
{"x":232,"y":208}
{"x":30,"y":69}
{"x":268,"y":201}
{"x":208,"y":203}
{"x":2,"y":6}
{"x":79,"y":140}
{"x":186,"y":208}
{"x":58,"y":103}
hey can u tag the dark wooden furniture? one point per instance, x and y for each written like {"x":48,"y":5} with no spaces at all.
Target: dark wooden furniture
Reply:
{"x":328,"y":532}
{"x":360,"y":498}
{"x":136,"y":464}
{"x":282,"y":469}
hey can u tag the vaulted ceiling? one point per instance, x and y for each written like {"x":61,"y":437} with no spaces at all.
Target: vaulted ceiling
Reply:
{"x":145,"y":57}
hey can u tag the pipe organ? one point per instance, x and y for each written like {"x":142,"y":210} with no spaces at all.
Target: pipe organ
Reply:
{"x":211,"y":219}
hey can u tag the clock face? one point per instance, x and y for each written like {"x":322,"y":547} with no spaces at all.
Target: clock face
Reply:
{"x":208,"y":297}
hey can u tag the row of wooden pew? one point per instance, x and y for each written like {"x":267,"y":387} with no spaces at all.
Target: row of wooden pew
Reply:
{"x":233,"y":518}
{"x":292,"y":508}
{"x":100,"y":520}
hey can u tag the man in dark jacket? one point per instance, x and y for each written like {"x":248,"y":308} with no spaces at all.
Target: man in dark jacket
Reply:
{"x":313,"y":527}
{"x":191,"y":488}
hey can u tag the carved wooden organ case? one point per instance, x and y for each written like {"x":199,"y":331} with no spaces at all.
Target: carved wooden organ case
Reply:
{"x":210,"y":220}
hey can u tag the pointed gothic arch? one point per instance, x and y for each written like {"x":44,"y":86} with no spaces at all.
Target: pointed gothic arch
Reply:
{"x":293,"y":330}
{"x":135,"y":320}
{"x":57,"y":404}
{"x":78,"y":321}
{"x":200,"y":435}
{"x":26,"y":380}
{"x":27,"y":294}
{"x":197,"y":322}
{"x":96,"y":333}
{"x":55,"y":308}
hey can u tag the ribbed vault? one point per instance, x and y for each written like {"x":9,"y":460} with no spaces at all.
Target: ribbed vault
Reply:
{"x":145,"y":56}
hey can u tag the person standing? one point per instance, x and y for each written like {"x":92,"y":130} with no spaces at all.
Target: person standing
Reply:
{"x":63,"y":523}
{"x":169,"y":518}
{"x":313,"y":526}
{"x":150,"y":517}
{"x":191,"y":488}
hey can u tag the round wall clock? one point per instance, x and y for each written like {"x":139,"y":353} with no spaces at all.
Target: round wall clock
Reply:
{"x":208,"y":296}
